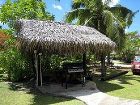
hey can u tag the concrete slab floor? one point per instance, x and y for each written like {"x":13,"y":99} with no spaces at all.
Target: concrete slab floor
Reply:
{"x":88,"y":94}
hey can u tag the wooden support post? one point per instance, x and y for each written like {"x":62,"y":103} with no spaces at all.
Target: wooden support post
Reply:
{"x":108,"y":59}
{"x":38,"y":68}
{"x":103,"y":67}
{"x":84,"y":67}
{"x":84,"y":62}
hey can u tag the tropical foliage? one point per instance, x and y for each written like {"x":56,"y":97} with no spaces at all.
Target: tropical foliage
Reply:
{"x":111,"y":21}
{"x":3,"y":38}
{"x":13,"y":63}
{"x":23,"y":9}
{"x":131,"y":47}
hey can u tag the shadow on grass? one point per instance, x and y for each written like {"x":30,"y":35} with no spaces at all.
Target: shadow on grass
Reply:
{"x":125,"y":78}
{"x":38,"y":98}
{"x":107,"y":86}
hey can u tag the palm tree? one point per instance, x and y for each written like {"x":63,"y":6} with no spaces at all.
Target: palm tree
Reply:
{"x":110,"y":21}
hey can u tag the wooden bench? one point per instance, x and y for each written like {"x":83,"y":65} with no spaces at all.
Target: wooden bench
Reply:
{"x":73,"y":68}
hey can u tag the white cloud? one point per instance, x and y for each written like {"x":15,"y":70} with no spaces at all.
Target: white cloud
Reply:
{"x":113,"y":2}
{"x":126,"y":30}
{"x":59,"y":7}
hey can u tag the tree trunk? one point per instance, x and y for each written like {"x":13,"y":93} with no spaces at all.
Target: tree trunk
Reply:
{"x":32,"y":65}
{"x":108,"y":59}
{"x":84,"y":67}
{"x":38,"y":69}
{"x":103,"y":67}
{"x":84,"y":63}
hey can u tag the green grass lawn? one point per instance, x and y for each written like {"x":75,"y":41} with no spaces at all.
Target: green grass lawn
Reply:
{"x":125,"y":86}
{"x":13,"y":96}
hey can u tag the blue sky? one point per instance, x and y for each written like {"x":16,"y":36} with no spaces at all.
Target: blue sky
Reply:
{"x":59,"y":9}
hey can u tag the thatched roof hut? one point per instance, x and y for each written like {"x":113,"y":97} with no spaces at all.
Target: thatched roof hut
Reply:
{"x":61,"y":38}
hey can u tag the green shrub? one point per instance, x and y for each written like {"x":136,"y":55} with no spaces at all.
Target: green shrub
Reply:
{"x":128,"y":56}
{"x":14,"y":64}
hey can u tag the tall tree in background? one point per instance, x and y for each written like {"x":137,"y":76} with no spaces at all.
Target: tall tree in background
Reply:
{"x":23,"y":9}
{"x":131,"y":47}
{"x":110,"y":21}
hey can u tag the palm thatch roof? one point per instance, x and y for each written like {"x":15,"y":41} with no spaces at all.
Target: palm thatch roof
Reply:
{"x":61,"y":38}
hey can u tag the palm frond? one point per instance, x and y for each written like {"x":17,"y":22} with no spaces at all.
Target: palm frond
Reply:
{"x":78,"y":4}
{"x":123,"y":14}
{"x":130,"y":17}
{"x":108,"y":19}
{"x":72,"y":15}
{"x":81,"y":14}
